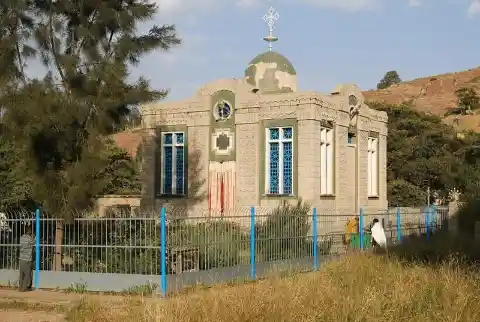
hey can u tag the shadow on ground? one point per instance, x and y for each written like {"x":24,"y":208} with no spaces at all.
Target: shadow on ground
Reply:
{"x":455,"y":242}
{"x":442,"y":246}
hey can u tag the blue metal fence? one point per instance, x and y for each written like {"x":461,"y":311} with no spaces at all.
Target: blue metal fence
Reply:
{"x":172,"y":243}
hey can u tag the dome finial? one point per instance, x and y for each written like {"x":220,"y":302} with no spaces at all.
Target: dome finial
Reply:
{"x":270,"y":18}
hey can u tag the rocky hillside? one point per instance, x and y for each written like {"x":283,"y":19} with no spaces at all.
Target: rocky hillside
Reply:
{"x":433,"y":94}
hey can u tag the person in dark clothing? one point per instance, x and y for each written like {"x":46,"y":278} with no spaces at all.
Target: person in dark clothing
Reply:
{"x":27,"y":242}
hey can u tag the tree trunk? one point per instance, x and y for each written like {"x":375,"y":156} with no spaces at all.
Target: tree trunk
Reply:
{"x":57,"y":258}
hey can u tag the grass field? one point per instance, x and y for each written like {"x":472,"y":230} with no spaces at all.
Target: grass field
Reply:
{"x":357,"y":288}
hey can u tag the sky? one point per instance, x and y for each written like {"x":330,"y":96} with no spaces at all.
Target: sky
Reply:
{"x":329,"y":42}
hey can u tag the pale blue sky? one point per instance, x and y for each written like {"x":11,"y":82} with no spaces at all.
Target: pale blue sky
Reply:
{"x":328,"y":41}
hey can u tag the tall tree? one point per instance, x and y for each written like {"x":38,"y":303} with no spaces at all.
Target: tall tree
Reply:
{"x":425,"y":152}
{"x":15,"y":190}
{"x":16,"y":28}
{"x":58,"y":123}
{"x":389,"y":79}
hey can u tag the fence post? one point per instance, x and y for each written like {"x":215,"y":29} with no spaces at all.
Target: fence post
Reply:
{"x":434,"y":217}
{"x":37,"y":248}
{"x":163,"y":250}
{"x":362,"y":234}
{"x":314,"y":227}
{"x":399,"y":225}
{"x":252,"y":244}
{"x":427,"y":219}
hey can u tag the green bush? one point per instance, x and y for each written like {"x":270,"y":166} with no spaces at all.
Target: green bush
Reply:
{"x":220,"y":243}
{"x":468,"y":214}
{"x":284,"y":233}
{"x":442,"y":247}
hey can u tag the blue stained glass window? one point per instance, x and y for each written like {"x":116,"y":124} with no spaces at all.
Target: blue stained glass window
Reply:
{"x":274,"y":134}
{"x":168,"y":138}
{"x":173,"y":163}
{"x":167,"y":169}
{"x":274,"y":168}
{"x":179,"y":170}
{"x":179,"y":137}
{"x":287,"y":167}
{"x":280,"y":161}
{"x":287,"y":133}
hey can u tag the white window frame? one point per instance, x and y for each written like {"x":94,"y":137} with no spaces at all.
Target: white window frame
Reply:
{"x":327,"y":161}
{"x":174,"y":146}
{"x":280,"y":142}
{"x":373,"y":166}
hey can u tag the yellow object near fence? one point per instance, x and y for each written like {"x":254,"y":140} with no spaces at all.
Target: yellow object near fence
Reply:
{"x":352,"y":227}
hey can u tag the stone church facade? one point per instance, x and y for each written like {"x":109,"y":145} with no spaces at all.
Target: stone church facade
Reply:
{"x":257,"y":140}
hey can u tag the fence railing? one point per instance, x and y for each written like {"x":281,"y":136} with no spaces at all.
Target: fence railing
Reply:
{"x":170,"y":244}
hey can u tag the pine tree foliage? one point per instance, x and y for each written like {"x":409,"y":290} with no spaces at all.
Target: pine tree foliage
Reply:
{"x":58,"y":124}
{"x":16,"y":27}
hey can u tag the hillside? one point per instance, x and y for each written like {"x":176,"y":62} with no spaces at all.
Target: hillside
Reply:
{"x":433,"y":94}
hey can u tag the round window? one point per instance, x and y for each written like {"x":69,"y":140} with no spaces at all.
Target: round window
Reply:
{"x":222,"y":110}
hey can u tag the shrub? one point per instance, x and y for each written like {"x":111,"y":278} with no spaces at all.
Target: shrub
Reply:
{"x":220,"y":243}
{"x":284,"y":233}
{"x":467,"y":215}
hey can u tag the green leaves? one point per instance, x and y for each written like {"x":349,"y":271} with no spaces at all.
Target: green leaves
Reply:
{"x":389,"y":79}
{"x":424,"y":152}
{"x":59,"y":123}
{"x":15,"y":190}
{"x":120,"y":175}
{"x":468,"y":102}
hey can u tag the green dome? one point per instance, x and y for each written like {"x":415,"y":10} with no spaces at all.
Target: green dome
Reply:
{"x":271,"y":72}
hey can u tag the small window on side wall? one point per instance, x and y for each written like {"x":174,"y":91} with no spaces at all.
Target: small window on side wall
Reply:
{"x":351,"y":138}
{"x":373,"y":166}
{"x":327,"y":161}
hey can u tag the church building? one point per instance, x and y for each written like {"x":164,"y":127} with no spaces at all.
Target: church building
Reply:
{"x":259,"y":140}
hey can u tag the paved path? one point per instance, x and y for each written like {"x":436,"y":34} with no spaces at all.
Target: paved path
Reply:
{"x":36,"y":306}
{"x":42,"y":296}
{"x":25,"y":316}
{"x":45,"y":306}
{"x":39,"y":296}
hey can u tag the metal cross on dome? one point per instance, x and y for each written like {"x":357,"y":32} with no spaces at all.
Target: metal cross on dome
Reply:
{"x":270,"y":18}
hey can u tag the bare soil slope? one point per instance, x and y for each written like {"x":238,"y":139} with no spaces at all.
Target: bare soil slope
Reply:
{"x":433,"y":94}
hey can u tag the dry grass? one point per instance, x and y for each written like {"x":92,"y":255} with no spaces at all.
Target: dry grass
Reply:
{"x":358,"y":288}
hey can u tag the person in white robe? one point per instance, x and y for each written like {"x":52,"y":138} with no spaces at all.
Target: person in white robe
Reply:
{"x":378,"y":234}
